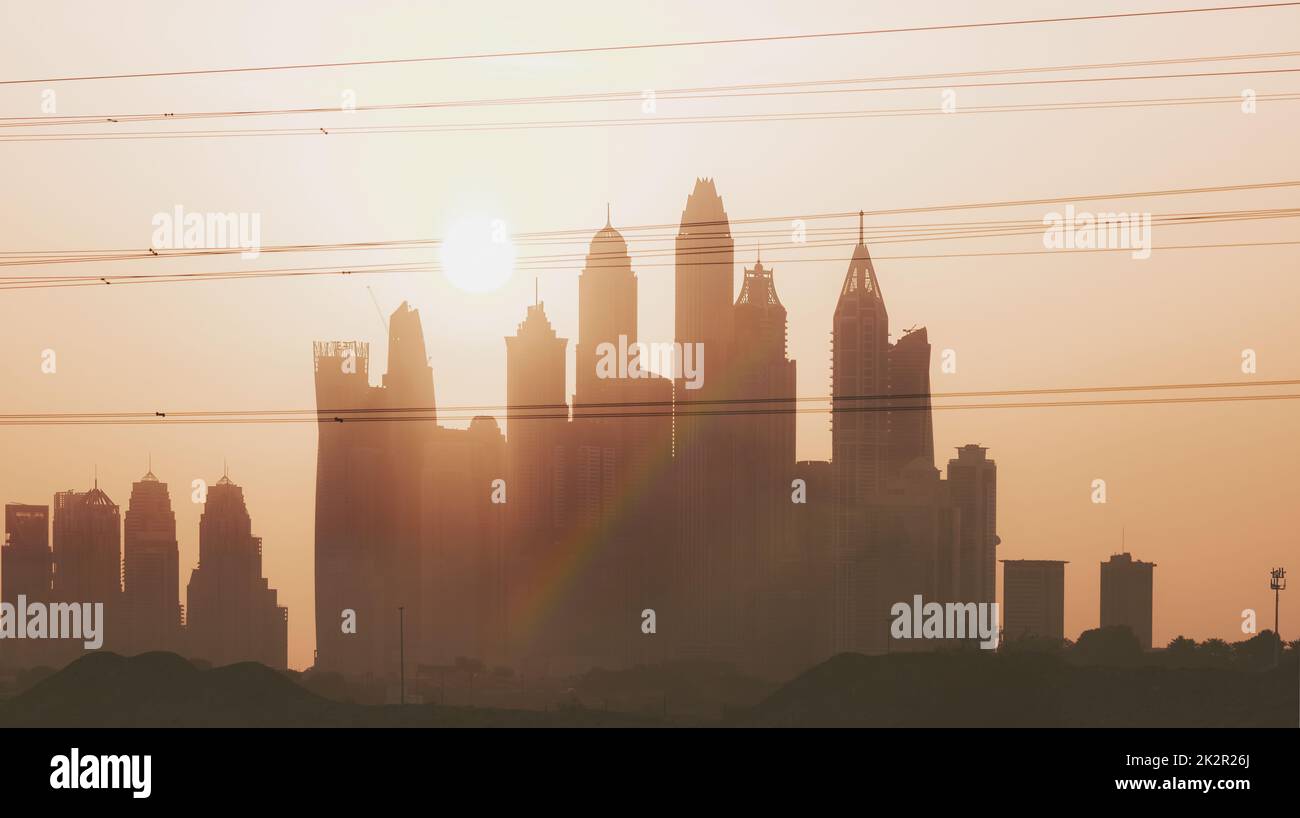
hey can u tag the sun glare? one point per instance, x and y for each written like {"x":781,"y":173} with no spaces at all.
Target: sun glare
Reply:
{"x":477,"y":254}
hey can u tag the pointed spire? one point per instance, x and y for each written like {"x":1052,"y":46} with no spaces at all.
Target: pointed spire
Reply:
{"x":607,"y":220}
{"x":537,"y":298}
{"x":861,"y":276}
{"x":758,"y":254}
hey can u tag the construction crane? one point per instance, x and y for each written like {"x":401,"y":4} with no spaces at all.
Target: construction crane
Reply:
{"x":378,"y":309}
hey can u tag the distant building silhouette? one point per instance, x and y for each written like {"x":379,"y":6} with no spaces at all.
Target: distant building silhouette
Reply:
{"x":26,"y":568}
{"x":347,"y":513}
{"x":621,"y":438}
{"x":764,"y":452}
{"x":396,"y":543}
{"x":539,"y":468}
{"x":465,"y":581}
{"x":151,"y":569}
{"x":1126,"y":595}
{"x":859,"y":446}
{"x":799,"y":615}
{"x":911,"y":427}
{"x":369,"y":506}
{"x":1033,"y":593}
{"x":88,"y":561}
{"x":973,"y":486}
{"x":705,"y":612}
{"x":232,"y":614}
{"x":87,"y":547}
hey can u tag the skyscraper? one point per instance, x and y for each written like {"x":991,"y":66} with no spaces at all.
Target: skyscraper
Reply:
{"x":368,"y":497}
{"x":763,"y":446}
{"x":1126,"y":595}
{"x":859,"y":446}
{"x":1033,"y":594}
{"x":26,"y":565}
{"x":151,"y":569}
{"x":607,"y":311}
{"x":798,"y":617}
{"x":466,"y":552}
{"x":25,"y":569}
{"x":622,"y":451}
{"x":704,"y":618}
{"x":88,"y":561}
{"x":973,"y":490}
{"x":232,"y":614}
{"x":910,"y":427}
{"x":408,"y":389}
{"x":347,"y":476}
{"x":538,"y":466}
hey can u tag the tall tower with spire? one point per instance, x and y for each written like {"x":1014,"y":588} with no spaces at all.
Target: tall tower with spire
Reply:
{"x":151,"y":568}
{"x":859,"y":448}
{"x":607,"y":304}
{"x":622,"y":448}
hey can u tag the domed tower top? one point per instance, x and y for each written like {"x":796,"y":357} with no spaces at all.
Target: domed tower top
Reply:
{"x":608,"y":247}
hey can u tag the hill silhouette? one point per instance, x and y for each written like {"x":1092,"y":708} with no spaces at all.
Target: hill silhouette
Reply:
{"x":164,"y":690}
{"x":954,"y":689}
{"x":161,"y":689}
{"x":978,"y":689}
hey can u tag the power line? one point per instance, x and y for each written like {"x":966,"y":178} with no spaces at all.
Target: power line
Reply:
{"x":646,"y":46}
{"x":844,"y":214}
{"x":419,"y":267}
{"x":644,"y":121}
{"x":587,"y":231}
{"x":743,"y":91}
{"x":379,"y":411}
{"x":16,"y":282}
{"x":564,"y":416}
{"x":834,"y":237}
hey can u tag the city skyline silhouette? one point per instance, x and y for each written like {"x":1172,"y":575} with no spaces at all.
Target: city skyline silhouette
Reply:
{"x":1201,"y":488}
{"x":637,"y":493}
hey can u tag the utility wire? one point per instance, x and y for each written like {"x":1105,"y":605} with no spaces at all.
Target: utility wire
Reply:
{"x":830,"y":237}
{"x":418,"y":267}
{"x":579,"y":408}
{"x":645,"y":121}
{"x":647,"y":46}
{"x":719,"y":92}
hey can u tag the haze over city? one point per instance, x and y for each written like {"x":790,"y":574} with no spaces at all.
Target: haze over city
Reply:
{"x":1204,"y":490}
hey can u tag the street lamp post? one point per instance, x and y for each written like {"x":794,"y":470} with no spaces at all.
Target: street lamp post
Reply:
{"x":401,"y":654}
{"x":1277,"y":584}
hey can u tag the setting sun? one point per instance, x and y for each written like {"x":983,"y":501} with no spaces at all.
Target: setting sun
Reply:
{"x":477,"y":254}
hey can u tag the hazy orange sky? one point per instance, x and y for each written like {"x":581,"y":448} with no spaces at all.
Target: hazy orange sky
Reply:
{"x":1206,"y":491}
